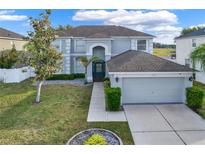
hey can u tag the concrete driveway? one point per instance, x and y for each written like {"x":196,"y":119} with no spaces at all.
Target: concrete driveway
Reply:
{"x":165,"y":124}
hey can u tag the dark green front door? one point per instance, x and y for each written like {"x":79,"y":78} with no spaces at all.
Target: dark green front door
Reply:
{"x":98,"y":71}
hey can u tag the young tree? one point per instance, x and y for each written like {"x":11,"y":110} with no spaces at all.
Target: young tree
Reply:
{"x":198,"y":55}
{"x":40,"y":54}
{"x":86,"y":61}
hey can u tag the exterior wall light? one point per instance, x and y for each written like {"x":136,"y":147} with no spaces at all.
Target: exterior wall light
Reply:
{"x":116,"y":79}
{"x":191,"y":78}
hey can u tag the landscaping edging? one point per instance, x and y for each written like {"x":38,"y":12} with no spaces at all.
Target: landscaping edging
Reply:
{"x":111,"y":137}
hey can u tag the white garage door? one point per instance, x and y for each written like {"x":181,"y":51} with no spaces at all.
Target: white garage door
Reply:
{"x":152,"y":90}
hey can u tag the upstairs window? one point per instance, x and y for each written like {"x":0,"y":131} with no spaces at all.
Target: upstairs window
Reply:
{"x":187,"y":62}
{"x":141,"y":45}
{"x":193,"y":43}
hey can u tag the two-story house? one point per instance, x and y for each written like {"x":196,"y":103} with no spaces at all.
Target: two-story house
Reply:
{"x":8,"y":39}
{"x":101,"y":41}
{"x":185,"y":44}
{"x":126,"y":57}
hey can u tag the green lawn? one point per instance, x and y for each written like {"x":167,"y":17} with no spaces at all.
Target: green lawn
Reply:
{"x":202,"y":87}
{"x":162,"y":52}
{"x":61,"y":114}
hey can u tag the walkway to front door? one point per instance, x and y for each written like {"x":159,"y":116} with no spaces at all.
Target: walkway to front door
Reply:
{"x":165,"y":124}
{"x":97,"y":112}
{"x":98,"y":71}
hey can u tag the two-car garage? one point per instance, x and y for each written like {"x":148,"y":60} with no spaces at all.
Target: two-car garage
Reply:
{"x":145,"y":78}
{"x":152,"y":90}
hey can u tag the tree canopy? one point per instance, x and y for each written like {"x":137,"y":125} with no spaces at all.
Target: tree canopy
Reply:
{"x":64,"y":27}
{"x":198,"y":55}
{"x":191,"y":29}
{"x":40,"y":55}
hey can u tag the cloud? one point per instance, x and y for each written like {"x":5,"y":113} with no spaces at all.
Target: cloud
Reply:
{"x":161,"y":23}
{"x":8,"y":15}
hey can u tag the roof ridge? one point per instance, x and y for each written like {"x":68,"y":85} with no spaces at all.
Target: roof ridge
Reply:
{"x":165,"y":59}
{"x":143,"y":62}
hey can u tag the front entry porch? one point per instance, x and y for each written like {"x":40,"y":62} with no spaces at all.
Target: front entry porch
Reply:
{"x":98,"y":68}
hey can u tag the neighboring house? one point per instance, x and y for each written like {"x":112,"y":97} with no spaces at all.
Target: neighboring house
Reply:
{"x":8,"y":39}
{"x":185,"y":44}
{"x":126,"y":57}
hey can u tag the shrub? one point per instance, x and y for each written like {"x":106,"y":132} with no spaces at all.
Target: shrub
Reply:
{"x":106,"y":79}
{"x":194,"y":97}
{"x":8,"y":58}
{"x":113,"y":96}
{"x":66,"y":76}
{"x":106,"y":84}
{"x":96,"y":139}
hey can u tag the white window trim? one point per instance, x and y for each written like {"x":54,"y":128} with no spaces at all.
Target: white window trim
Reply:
{"x":146,"y":44}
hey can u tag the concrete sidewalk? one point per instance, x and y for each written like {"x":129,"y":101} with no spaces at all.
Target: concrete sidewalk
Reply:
{"x":97,"y":112}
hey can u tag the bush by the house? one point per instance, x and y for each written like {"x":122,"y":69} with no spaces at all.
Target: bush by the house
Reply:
{"x":106,"y":84}
{"x":194,"y":98}
{"x":8,"y":58}
{"x":113,"y":96}
{"x":66,"y":76}
{"x":96,"y":139}
{"x":106,"y":79}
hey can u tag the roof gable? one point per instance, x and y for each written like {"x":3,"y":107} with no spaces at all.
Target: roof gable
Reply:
{"x":137,"y":61}
{"x":100,"y":31}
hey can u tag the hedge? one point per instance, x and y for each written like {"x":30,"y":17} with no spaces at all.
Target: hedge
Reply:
{"x":113,"y":96}
{"x":194,"y":97}
{"x":66,"y":76}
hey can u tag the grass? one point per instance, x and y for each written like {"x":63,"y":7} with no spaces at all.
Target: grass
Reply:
{"x":201,"y":87}
{"x":61,"y":114}
{"x":162,"y":52}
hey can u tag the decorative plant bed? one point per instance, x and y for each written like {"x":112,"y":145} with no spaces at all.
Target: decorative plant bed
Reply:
{"x":81,"y":137}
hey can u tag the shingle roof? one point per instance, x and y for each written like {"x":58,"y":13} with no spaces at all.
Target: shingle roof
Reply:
{"x":137,"y":61}
{"x":10,"y":34}
{"x":100,"y":31}
{"x":194,"y":33}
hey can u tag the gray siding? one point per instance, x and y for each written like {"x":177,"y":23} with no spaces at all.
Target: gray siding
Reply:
{"x":75,"y":47}
{"x":79,"y":46}
{"x":120,"y":45}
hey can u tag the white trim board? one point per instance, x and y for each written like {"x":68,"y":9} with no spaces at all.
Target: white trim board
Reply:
{"x":151,"y":74}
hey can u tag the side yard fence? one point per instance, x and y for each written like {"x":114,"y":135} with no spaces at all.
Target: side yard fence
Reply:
{"x":15,"y":75}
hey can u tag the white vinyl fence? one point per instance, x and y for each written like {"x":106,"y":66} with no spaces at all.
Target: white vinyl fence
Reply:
{"x":15,"y":75}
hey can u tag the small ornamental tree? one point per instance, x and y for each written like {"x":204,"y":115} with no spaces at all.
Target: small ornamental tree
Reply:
{"x":40,"y":55}
{"x":198,"y":55}
{"x":86,"y":61}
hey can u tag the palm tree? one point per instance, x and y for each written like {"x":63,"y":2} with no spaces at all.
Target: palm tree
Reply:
{"x":86,"y":61}
{"x":198,"y":55}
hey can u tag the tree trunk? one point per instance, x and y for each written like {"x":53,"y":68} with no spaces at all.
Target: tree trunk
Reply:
{"x":85,"y":75}
{"x":39,"y":84}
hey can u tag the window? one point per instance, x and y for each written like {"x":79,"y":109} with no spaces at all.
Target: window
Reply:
{"x":79,"y":68}
{"x":80,"y":45}
{"x":98,"y":67}
{"x":141,"y":45}
{"x":187,"y":62}
{"x":193,"y":42}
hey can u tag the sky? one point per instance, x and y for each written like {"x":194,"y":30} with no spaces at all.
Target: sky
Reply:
{"x":164,"y":24}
